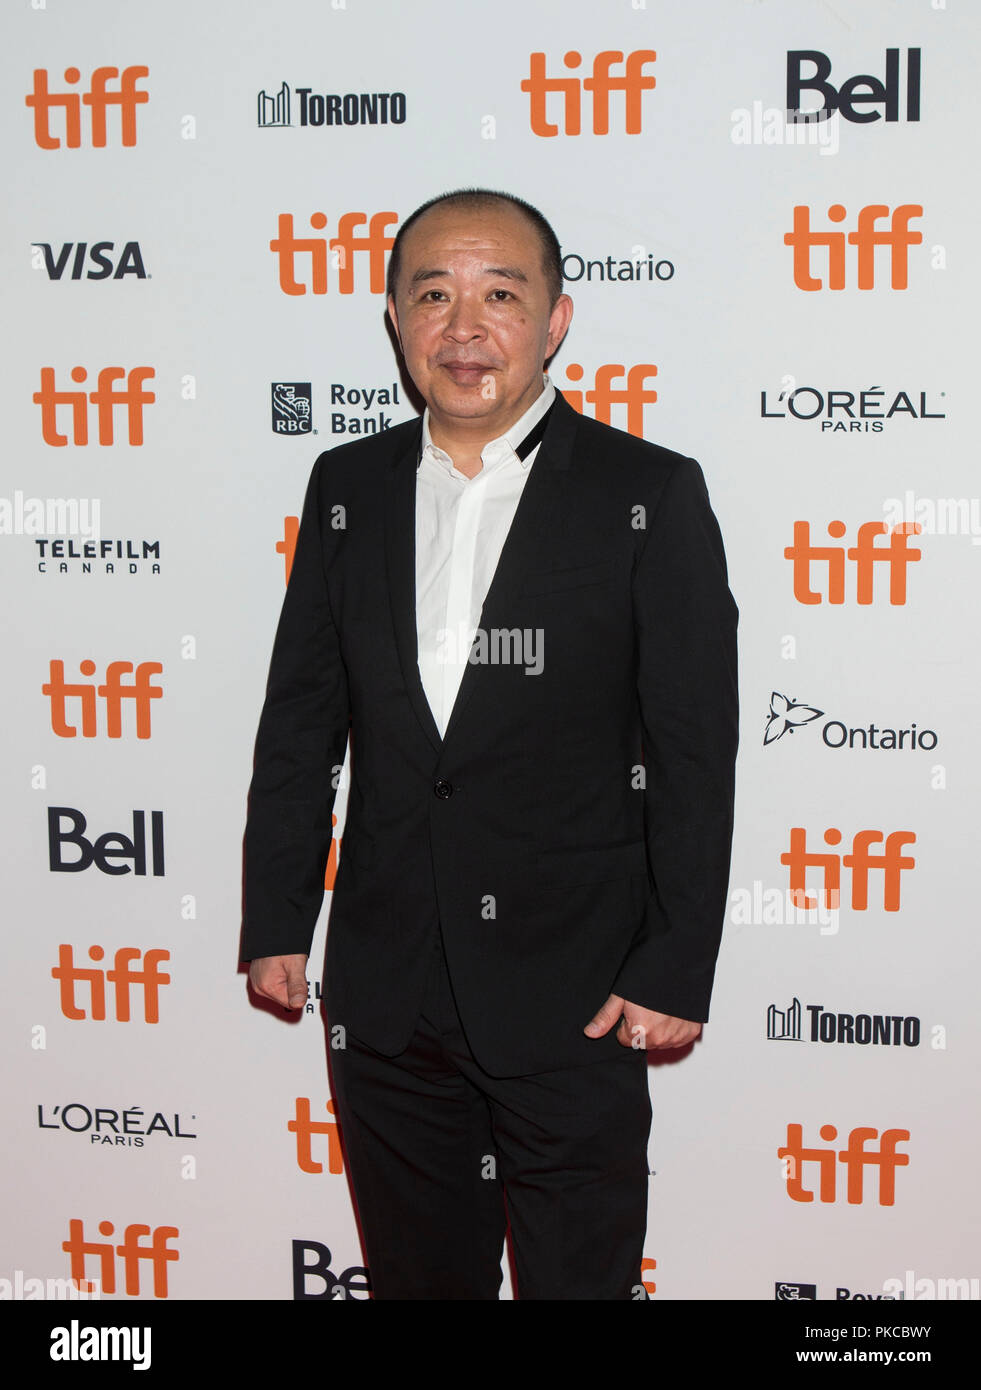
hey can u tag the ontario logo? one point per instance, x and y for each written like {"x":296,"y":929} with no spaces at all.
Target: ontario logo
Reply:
{"x":787,"y":715}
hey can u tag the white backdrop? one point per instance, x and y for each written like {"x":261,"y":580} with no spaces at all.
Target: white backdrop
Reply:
{"x":201,"y":1147}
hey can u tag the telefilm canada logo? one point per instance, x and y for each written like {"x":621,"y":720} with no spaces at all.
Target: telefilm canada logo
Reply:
{"x":292,"y":408}
{"x":303,"y":106}
{"x":787,"y":716}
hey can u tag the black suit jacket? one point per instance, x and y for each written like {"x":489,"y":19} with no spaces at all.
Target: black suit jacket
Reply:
{"x":571,"y":832}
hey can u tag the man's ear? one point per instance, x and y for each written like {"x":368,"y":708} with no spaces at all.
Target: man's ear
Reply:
{"x":558,"y":323}
{"x":395,"y":321}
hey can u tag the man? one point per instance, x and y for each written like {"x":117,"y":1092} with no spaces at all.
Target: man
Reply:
{"x":523,"y":617}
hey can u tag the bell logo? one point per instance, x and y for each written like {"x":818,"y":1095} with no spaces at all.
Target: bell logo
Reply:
{"x":895,"y":556}
{"x":344,"y":246}
{"x":140,"y":693}
{"x":111,"y":846}
{"x":132,"y":1253}
{"x":603,"y":396}
{"x":861,"y":862}
{"x":98,"y":99}
{"x":855,"y":1157}
{"x":121,"y":976}
{"x":633,"y":83}
{"x":897,"y":236}
{"x":304,"y":1127}
{"x":105,"y":398}
{"x":856,"y":92}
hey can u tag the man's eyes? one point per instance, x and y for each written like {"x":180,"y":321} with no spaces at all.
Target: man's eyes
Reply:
{"x":436,"y":296}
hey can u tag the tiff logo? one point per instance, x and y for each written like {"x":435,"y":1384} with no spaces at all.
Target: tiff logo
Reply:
{"x":603,"y":395}
{"x":105,"y":398}
{"x":304,"y":1127}
{"x":114,"y":691}
{"x":632,"y":83}
{"x":344,"y":247}
{"x":895,"y":557}
{"x":98,"y":99}
{"x":866,"y":238}
{"x":856,"y":1158}
{"x":287,"y":546}
{"x":132,"y":1253}
{"x":121,"y":976}
{"x":891,"y":862}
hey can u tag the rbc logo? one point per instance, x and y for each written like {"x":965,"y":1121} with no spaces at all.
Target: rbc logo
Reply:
{"x":633,"y":83}
{"x":344,"y":246}
{"x":98,"y":99}
{"x":291,"y":405}
{"x":157,"y":1254}
{"x":105,"y":398}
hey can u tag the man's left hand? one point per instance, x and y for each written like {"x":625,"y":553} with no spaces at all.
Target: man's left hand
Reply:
{"x":640,"y":1028}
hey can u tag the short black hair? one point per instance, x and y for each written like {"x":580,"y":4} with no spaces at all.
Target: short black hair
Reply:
{"x":480,"y":198}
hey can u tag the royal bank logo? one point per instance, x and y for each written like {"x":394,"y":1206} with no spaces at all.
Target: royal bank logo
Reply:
{"x":292,"y":403}
{"x":795,"y":1293}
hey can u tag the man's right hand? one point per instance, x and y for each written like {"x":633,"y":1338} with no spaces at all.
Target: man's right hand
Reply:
{"x":282,"y":979}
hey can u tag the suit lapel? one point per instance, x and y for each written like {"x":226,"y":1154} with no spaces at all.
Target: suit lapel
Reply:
{"x":400,"y":559}
{"x":523,"y":547}
{"x":531,"y":527}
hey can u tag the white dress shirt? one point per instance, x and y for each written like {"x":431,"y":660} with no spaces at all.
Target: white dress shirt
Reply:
{"x":461,"y":526}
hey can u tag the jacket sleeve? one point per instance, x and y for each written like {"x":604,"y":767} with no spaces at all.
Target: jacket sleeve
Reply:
{"x":300,"y":747}
{"x":685,"y":622}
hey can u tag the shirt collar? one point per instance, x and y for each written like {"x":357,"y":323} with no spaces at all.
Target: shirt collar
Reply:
{"x":505,"y":445}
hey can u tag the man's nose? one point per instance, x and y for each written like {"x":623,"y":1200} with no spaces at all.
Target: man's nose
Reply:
{"x":465,"y":320}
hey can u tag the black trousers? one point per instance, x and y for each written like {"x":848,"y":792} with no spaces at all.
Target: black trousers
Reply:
{"x":443,"y":1157}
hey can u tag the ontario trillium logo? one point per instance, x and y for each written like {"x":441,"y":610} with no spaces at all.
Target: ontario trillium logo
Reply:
{"x":785,"y":716}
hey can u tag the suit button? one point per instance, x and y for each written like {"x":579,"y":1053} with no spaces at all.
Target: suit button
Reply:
{"x":443,"y":790}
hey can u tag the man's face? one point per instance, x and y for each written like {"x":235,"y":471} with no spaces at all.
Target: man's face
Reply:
{"x":473,"y":314}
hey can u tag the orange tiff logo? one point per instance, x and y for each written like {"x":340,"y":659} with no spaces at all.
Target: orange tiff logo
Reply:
{"x":861,"y":862}
{"x":305,"y":1127}
{"x":603,"y":395}
{"x":132,"y":1252}
{"x":633,"y":83}
{"x":105,"y":398}
{"x":344,"y":248}
{"x":98,"y":99}
{"x":139,"y":693}
{"x":122,"y":976}
{"x":893,"y":557}
{"x":866,"y":237}
{"x":855,"y":1157}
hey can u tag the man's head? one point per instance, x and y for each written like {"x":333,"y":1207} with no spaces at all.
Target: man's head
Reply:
{"x":475,"y":299}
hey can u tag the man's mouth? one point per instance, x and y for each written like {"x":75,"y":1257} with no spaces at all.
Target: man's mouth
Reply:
{"x":466,"y":373}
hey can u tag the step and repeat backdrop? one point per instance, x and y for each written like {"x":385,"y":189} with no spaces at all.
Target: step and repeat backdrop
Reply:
{"x":768,"y":215}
